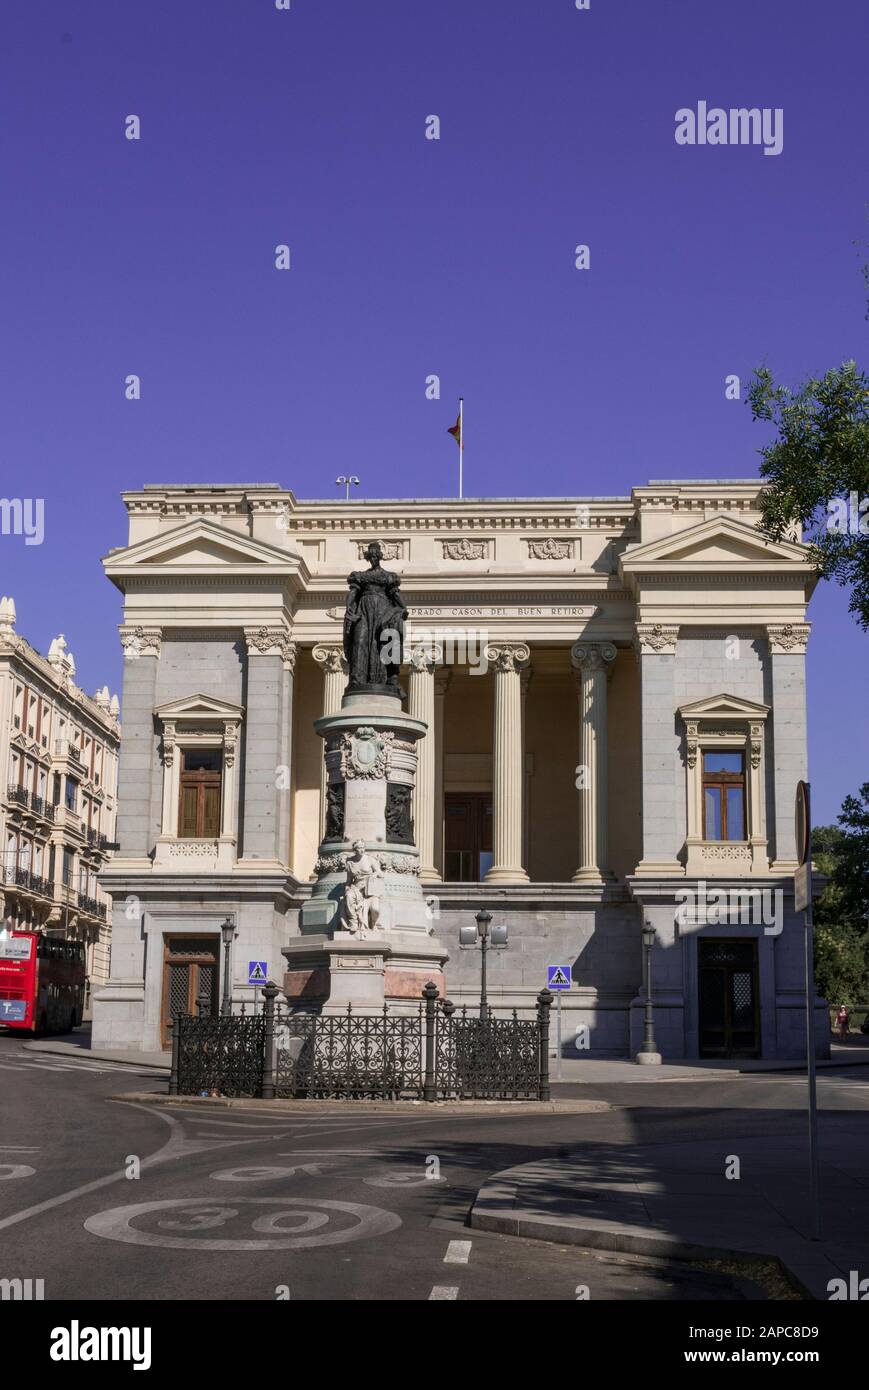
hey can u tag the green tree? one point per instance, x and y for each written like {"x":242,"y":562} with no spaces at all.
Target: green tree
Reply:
{"x":816,"y":472}
{"x":841,"y":853}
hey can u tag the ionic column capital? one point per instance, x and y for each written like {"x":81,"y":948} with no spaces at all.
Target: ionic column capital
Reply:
{"x":332,"y":659}
{"x":508,"y":658}
{"x":593,"y":656}
{"x":788,"y":639}
{"x":425,"y":657}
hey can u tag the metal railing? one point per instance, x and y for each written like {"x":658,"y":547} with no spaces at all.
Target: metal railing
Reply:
{"x":91,"y":905}
{"x":19,"y":795}
{"x":42,"y":808}
{"x":65,"y":748}
{"x":433,"y":1053}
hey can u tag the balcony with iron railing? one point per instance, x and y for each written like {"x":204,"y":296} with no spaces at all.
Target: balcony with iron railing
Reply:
{"x":92,"y":906}
{"x":65,"y":748}
{"x":17,"y":877}
{"x":19,"y":795}
{"x":42,"y":808}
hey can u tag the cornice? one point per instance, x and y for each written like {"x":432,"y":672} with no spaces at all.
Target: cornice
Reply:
{"x":60,"y":688}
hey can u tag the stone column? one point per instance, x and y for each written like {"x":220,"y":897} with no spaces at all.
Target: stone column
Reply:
{"x":442,"y":678}
{"x":593,"y":663}
{"x":289,"y":652}
{"x":137,"y":826}
{"x":661,"y":769}
{"x":508,"y":772}
{"x":787,"y":645}
{"x":421,"y":705}
{"x":334,"y":667}
{"x":264,"y":747}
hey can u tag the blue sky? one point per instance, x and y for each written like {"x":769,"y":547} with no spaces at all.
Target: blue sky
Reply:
{"x":412,"y":257}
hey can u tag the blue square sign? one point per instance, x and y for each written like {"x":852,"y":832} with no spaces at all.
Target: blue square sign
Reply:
{"x":257,"y":972}
{"x":558,"y":977}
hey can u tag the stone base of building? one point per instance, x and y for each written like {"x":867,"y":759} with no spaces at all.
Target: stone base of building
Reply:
{"x":326,"y":973}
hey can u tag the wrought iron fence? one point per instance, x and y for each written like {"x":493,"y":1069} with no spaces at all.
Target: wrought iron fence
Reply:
{"x":216,"y":1055}
{"x":346,"y":1055}
{"x":487,"y":1058}
{"x":433,"y":1053}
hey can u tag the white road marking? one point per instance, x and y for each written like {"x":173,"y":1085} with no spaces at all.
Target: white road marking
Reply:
{"x":443,"y":1292}
{"x":458,"y":1252}
{"x":203,"y":1213}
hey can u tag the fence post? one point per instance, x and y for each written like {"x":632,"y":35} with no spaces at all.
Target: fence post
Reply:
{"x":544,"y":1004}
{"x":174,"y":1031}
{"x":203,"y":1001}
{"x":270,"y":993}
{"x":430,"y":1088}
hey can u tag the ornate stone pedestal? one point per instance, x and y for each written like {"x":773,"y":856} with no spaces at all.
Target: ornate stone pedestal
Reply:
{"x":366,"y":934}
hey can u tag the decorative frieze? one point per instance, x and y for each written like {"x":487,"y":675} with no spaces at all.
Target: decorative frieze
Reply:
{"x":271,"y":641}
{"x":141,"y":641}
{"x":391,"y":864}
{"x":392,"y":550}
{"x":466,"y":549}
{"x":789,"y":639}
{"x":655,"y":639}
{"x":550,"y":549}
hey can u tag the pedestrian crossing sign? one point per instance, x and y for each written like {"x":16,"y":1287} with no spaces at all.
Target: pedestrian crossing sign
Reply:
{"x":257,"y":974}
{"x":558,"y":977}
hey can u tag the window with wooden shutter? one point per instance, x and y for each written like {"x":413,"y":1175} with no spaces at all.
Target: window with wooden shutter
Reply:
{"x":199,"y":804}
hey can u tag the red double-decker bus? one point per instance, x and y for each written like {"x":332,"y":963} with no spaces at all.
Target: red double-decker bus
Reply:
{"x":42,"y":983}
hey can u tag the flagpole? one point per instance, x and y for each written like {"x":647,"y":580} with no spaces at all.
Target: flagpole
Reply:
{"x":461,"y":440}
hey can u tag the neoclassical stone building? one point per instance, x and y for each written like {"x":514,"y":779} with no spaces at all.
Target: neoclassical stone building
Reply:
{"x":58,"y":803}
{"x":615,"y":694}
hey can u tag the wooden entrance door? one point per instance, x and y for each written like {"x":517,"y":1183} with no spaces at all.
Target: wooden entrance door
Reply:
{"x":467,"y":836}
{"x":188,"y":963}
{"x":729,"y":1014}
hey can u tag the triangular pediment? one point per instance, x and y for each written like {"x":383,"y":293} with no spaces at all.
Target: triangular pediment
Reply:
{"x":200,"y":545}
{"x":723,"y":707}
{"x":198,"y":707}
{"x":719,"y":543}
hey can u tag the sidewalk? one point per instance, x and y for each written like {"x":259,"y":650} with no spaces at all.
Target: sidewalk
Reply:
{"x":673,"y":1200}
{"x":600,"y":1071}
{"x":80,"y":1047}
{"x":574,"y":1070}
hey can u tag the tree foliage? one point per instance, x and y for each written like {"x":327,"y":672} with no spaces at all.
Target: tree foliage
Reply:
{"x":816,"y":471}
{"x":841,"y":853}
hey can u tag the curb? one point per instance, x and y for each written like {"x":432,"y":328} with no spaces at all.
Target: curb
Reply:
{"x":515,"y":1109}
{"x":488,"y":1214}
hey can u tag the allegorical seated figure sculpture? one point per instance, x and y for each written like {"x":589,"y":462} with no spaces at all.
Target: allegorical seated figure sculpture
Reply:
{"x":360,"y":907}
{"x":374,"y":627}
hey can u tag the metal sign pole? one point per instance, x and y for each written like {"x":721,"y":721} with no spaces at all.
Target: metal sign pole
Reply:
{"x":808,"y":920}
{"x":803,"y":897}
{"x":558,"y":1038}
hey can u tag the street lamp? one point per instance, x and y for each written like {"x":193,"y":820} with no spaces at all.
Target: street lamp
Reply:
{"x":468,"y":936}
{"x":341,"y":481}
{"x":648,"y":1053}
{"x":227,"y":931}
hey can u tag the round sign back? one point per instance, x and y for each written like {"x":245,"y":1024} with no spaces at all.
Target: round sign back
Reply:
{"x":803,"y":822}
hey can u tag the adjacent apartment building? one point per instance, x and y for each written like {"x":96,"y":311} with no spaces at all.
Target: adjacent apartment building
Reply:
{"x":614,"y":689}
{"x":58,"y":796}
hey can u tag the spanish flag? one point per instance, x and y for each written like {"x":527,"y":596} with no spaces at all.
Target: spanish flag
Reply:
{"x":456,"y":431}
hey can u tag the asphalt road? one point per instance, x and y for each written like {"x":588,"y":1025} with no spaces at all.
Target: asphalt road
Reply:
{"x":108,"y":1200}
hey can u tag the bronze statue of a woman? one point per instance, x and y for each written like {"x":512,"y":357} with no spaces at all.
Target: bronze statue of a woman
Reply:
{"x":374,"y":628}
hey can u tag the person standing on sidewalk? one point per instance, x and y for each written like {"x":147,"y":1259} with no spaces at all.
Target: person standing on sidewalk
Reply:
{"x":842,"y":1023}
